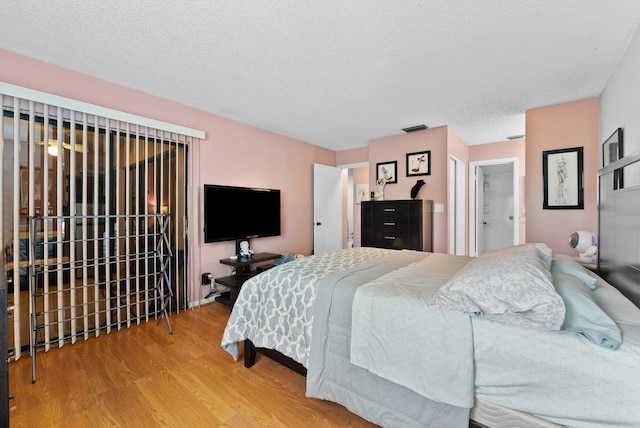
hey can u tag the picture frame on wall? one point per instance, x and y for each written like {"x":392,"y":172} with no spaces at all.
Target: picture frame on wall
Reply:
{"x":562,"y":175}
{"x":419,"y":163}
{"x":612,"y":148}
{"x":362,"y":192}
{"x":388,"y":171}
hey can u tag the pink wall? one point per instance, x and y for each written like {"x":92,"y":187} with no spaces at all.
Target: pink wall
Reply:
{"x":502,"y":150}
{"x":352,"y":156}
{"x":573,"y":124}
{"x":395,"y":148}
{"x":232,"y":153}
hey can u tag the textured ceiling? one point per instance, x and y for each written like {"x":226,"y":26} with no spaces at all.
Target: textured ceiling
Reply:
{"x":338,"y":73}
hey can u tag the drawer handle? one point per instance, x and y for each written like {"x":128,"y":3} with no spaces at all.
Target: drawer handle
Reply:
{"x":392,"y":238}
{"x":389,"y":224}
{"x":392,"y":210}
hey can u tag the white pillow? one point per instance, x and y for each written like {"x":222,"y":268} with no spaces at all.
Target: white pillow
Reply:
{"x":511,"y":285}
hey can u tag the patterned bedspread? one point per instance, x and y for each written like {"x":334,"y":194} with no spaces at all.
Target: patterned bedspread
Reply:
{"x":275,"y":308}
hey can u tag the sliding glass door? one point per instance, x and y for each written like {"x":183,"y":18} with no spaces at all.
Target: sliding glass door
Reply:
{"x":82,"y":195}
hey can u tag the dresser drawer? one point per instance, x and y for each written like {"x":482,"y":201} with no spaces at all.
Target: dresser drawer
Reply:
{"x":395,"y":242}
{"x":381,"y":209}
{"x":391,"y":223}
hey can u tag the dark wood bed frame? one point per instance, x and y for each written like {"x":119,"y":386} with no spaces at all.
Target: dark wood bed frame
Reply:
{"x":250,"y":353}
{"x":618,"y":226}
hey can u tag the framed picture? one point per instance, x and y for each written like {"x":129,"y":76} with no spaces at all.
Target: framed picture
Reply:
{"x":388,"y":171}
{"x":562,"y":172}
{"x":612,"y":148}
{"x":362,"y":192}
{"x":419,"y":163}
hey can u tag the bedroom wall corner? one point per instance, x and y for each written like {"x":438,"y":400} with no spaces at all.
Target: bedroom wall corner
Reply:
{"x":572,"y":124}
{"x":395,"y":148}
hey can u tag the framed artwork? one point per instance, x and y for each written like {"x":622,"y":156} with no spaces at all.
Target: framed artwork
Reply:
{"x":562,"y":175}
{"x":419,"y":163}
{"x":612,"y":148}
{"x":388,"y":171}
{"x":362,"y":192}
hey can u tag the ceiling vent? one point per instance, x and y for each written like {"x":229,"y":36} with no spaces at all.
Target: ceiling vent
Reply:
{"x":415,"y":128}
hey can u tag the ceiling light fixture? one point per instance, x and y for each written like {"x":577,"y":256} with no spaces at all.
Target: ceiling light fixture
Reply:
{"x":54,"y":149}
{"x":415,"y":128}
{"x":515,"y":137}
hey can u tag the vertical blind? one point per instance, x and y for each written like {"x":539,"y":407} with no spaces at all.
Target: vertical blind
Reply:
{"x":89,"y":197}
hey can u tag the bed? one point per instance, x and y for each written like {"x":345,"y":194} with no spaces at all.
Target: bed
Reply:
{"x":403,"y":338}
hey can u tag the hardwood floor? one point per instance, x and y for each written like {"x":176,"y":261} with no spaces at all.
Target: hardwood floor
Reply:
{"x":145,"y":377}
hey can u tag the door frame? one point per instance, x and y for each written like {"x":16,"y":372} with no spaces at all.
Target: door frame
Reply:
{"x":351,"y":205}
{"x":473,"y":226}
{"x":457,"y":198}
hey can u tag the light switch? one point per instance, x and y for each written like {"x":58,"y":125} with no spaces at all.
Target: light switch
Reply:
{"x":439,"y":208}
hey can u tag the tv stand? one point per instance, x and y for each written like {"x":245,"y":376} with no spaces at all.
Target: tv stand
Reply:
{"x":243,"y":273}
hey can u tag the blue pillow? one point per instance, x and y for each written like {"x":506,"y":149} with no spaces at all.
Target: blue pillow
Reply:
{"x":566,"y":264}
{"x":583,"y":315}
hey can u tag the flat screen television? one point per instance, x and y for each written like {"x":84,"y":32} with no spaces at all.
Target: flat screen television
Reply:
{"x":233,"y":213}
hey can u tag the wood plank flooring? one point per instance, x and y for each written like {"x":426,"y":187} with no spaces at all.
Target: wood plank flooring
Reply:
{"x":145,"y":377}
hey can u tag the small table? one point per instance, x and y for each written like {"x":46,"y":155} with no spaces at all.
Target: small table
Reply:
{"x":243,"y":273}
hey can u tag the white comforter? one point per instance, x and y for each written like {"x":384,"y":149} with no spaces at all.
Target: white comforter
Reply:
{"x":394,"y":313}
{"x":449,"y":357}
{"x":563,"y":378}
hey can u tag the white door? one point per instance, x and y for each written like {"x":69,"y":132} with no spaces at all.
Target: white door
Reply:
{"x":479,"y":208}
{"x":457,"y":202}
{"x":494,"y":205}
{"x":327,"y":208}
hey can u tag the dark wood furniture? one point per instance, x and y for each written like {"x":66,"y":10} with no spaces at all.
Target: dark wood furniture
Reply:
{"x":243,"y":272}
{"x":402,"y":224}
{"x":619,"y":225}
{"x":250,"y":352}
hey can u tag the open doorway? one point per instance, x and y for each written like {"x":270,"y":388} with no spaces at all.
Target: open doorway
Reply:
{"x":493,"y":205}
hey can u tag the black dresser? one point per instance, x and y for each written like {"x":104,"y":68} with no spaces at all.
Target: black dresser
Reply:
{"x":404,"y":224}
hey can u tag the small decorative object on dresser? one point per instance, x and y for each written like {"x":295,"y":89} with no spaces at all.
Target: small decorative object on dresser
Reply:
{"x":416,"y":188}
{"x":381,"y":182}
{"x":403,"y":224}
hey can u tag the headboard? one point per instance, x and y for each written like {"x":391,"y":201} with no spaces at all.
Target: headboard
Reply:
{"x":619,"y":225}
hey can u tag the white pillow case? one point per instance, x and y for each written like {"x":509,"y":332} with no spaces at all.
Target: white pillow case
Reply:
{"x":511,"y":285}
